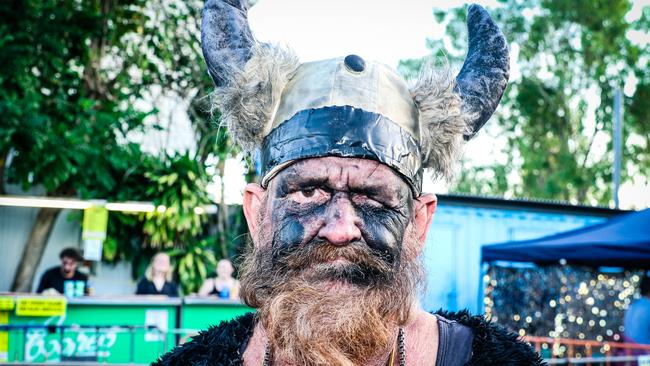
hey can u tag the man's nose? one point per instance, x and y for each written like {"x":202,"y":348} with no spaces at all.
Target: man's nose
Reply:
{"x":341,"y":222}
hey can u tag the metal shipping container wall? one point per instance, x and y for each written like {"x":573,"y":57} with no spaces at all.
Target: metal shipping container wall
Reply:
{"x":452,"y":252}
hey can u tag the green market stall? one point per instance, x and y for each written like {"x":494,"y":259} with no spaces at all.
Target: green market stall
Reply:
{"x":111,"y":330}
{"x":198,"y":313}
{"x":114,"y":330}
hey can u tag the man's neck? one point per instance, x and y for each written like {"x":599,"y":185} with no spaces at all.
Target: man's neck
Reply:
{"x":421,"y":341}
{"x":223,"y":279}
{"x":66,"y":275}
{"x":158,"y":280}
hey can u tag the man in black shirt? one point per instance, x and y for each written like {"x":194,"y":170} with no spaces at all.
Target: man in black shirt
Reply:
{"x":56,"y":277}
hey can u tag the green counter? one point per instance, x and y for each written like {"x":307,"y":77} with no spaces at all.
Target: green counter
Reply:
{"x":93,"y":329}
{"x":102,"y":329}
{"x":199,"y":313}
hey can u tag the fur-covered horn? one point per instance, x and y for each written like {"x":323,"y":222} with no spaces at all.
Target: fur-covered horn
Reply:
{"x":226,"y":38}
{"x":484,"y":75}
{"x":452,"y":109}
{"x":249,"y":76}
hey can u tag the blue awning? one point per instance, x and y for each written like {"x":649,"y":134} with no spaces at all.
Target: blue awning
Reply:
{"x":623,"y":241}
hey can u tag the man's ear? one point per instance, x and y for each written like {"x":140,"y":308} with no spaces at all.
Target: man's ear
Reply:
{"x":425,"y":207}
{"x":253,"y":198}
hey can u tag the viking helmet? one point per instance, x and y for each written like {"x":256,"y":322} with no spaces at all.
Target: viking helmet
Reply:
{"x":348,"y":106}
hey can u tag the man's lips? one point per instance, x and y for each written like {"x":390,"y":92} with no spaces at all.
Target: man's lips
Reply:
{"x":336,"y":262}
{"x":340,"y":260}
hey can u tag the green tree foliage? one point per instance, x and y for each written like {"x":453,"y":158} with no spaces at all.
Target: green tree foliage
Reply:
{"x":73,"y":78}
{"x":62,"y":110}
{"x":557,"y":114}
{"x":194,"y":264}
{"x":179,"y":191}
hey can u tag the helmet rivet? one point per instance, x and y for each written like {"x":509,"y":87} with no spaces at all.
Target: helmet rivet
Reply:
{"x":354,"y":63}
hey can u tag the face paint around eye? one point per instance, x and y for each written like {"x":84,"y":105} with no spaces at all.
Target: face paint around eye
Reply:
{"x":382,"y":229}
{"x":289,"y":236}
{"x":302,"y":203}
{"x":362,"y":199}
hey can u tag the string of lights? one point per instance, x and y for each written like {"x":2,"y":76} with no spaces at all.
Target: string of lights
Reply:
{"x":561,"y":301}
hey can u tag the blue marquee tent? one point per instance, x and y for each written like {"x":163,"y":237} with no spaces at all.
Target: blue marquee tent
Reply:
{"x":623,"y":241}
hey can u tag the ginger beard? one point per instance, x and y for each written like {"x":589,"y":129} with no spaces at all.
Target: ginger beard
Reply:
{"x":324,"y":304}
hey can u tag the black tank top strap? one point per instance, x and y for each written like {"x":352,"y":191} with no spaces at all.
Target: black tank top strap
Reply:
{"x":214,"y":287}
{"x":454,"y":343}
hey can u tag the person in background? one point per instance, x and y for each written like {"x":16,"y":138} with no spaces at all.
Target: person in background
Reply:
{"x":157,"y":278}
{"x":224,"y":285}
{"x":65,"y":279}
{"x":637,"y":317}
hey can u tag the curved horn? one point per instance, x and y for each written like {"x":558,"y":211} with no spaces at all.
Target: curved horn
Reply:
{"x":226,"y":38}
{"x":484,"y":75}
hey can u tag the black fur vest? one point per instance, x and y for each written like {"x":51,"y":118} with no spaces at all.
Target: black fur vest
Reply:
{"x":224,"y":345}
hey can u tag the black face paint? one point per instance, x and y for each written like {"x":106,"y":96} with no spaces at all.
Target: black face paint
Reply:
{"x":288,"y":235}
{"x":382,"y":226}
{"x":383,"y":229}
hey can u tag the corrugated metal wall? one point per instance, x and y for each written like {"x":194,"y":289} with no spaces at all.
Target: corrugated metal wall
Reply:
{"x":453,"y":248}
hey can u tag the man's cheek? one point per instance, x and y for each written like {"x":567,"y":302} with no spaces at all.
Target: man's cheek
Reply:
{"x":293,"y":228}
{"x":383,"y":234}
{"x":382,"y":241}
{"x":289,"y":234}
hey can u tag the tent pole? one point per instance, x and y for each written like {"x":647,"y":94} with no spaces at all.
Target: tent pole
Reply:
{"x":618,"y":143}
{"x":485,"y":267}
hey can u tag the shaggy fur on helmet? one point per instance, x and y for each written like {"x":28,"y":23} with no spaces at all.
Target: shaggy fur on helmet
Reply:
{"x":251,"y":94}
{"x":442,"y":120}
{"x":250,"y":78}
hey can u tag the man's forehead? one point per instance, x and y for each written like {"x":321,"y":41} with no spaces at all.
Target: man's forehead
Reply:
{"x":343,"y":173}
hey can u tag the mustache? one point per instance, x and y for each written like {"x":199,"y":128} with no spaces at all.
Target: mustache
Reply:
{"x":354,"y":262}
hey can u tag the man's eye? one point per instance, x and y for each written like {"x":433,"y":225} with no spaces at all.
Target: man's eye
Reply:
{"x":308,"y":195}
{"x":362,"y":199}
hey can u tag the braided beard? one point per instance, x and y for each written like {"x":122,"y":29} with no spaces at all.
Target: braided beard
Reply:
{"x":316,"y":312}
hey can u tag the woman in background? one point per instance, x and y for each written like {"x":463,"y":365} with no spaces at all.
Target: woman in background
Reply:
{"x":224,"y":285}
{"x":158,"y":278}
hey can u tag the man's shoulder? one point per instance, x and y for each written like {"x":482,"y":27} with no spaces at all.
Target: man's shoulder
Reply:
{"x":639,"y":309}
{"x":643,"y":302}
{"x":492,"y":343}
{"x":80,"y":276}
{"x":222,"y":345}
{"x":52,"y":272}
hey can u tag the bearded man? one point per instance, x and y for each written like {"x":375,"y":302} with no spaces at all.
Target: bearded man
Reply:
{"x":339,"y":218}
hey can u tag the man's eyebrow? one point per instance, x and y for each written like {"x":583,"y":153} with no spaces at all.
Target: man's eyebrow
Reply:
{"x":387,"y":196}
{"x":294,"y":178}
{"x":370,"y":189}
{"x":310,"y":180}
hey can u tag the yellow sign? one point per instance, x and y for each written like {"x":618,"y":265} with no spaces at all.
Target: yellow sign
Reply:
{"x":6,"y":303}
{"x":4,"y":337}
{"x":40,"y":306}
{"x":94,"y":232}
{"x":95,"y":223}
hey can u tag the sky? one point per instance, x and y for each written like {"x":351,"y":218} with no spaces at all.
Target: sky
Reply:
{"x":384,"y":31}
